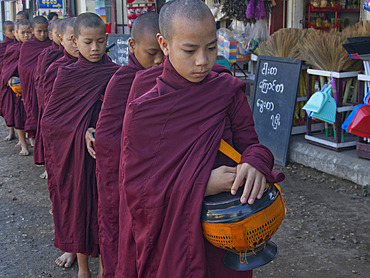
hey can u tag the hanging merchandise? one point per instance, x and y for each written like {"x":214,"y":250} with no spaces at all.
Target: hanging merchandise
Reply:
{"x":137,"y":7}
{"x":256,"y":10}
{"x":322,"y":105}
{"x":259,"y":33}
{"x":366,"y":6}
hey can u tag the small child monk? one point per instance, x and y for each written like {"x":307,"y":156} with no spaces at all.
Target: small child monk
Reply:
{"x":144,"y":53}
{"x":8,"y":32}
{"x":169,"y":152}
{"x":70,"y":56}
{"x":27,"y":68}
{"x":9,"y":71}
{"x":46,"y":57}
{"x":74,"y":105}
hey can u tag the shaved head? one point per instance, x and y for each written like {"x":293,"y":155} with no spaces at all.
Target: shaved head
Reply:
{"x":55,"y":24}
{"x":23,"y":22}
{"x":87,"y":20}
{"x":145,"y":24}
{"x":41,"y":20}
{"x":22,"y":15}
{"x":7,"y":23}
{"x":68,"y":22}
{"x":194,"y":10}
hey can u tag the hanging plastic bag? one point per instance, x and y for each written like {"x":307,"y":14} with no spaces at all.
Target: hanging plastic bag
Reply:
{"x":367,"y":5}
{"x":258,"y":34}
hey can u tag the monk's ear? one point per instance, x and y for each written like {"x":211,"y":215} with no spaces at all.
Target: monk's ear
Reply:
{"x":60,"y":38}
{"x":163,"y":43}
{"x":131,"y":45}
{"x":74,"y":41}
{"x":32,"y":30}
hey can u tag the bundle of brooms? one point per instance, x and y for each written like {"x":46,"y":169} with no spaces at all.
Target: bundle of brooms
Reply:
{"x":325,"y":51}
{"x":283,"y":43}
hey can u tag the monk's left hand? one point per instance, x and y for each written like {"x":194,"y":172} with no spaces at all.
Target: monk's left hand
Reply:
{"x":90,"y":139}
{"x":255,"y":183}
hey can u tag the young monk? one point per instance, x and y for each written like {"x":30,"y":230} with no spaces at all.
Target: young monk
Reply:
{"x":74,"y":106}
{"x":169,"y":158}
{"x":21,"y":15}
{"x":70,"y":56}
{"x":46,"y":57}
{"x":15,"y":110}
{"x":8,"y":32}
{"x":27,"y":67}
{"x":144,"y":53}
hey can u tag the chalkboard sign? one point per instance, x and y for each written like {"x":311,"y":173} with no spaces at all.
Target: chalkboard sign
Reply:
{"x":274,"y":99}
{"x":119,"y":51}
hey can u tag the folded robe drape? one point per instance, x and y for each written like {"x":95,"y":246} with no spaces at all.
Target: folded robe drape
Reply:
{"x":11,"y":105}
{"x":51,"y":74}
{"x":30,"y":51}
{"x":74,"y":105}
{"x":3,"y":45}
{"x":47,"y":56}
{"x":107,"y":147}
{"x":169,"y":144}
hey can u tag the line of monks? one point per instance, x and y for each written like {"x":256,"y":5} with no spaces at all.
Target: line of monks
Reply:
{"x":130,"y":151}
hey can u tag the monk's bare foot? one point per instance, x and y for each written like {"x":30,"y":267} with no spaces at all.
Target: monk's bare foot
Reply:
{"x":24,"y":152}
{"x":32,"y":142}
{"x":10,"y":137}
{"x":44,"y":175}
{"x":66,"y":260}
{"x":18,"y":144}
{"x":84,"y":274}
{"x":51,"y":212}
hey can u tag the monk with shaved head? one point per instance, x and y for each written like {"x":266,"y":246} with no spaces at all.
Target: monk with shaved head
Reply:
{"x":74,"y":106}
{"x":30,"y":52}
{"x":144,"y":53}
{"x":169,"y":153}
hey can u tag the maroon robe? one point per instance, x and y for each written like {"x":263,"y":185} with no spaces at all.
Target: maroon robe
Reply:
{"x":46,"y":57}
{"x":10,"y":103}
{"x":170,"y":141}
{"x":30,"y":51}
{"x":107,"y":147}
{"x":51,"y":74}
{"x":74,"y":106}
{"x":3,"y":46}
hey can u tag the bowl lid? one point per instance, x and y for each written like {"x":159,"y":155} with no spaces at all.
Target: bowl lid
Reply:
{"x":227,"y":208}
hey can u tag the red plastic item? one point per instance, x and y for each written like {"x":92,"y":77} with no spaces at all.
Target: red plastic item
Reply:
{"x":108,"y":27}
{"x":360,"y":124}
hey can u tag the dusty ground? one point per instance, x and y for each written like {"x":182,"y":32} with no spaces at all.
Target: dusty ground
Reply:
{"x":326,"y":232}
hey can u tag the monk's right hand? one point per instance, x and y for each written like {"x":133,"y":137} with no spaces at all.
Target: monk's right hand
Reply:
{"x":90,"y":139}
{"x":220,"y":180}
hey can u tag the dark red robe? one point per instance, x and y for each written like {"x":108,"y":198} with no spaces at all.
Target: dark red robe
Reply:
{"x":74,"y":106}
{"x":8,"y":100}
{"x":3,"y":46}
{"x":170,"y":141}
{"x":46,"y":57}
{"x":30,"y":51}
{"x":107,"y":147}
{"x":51,"y":74}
